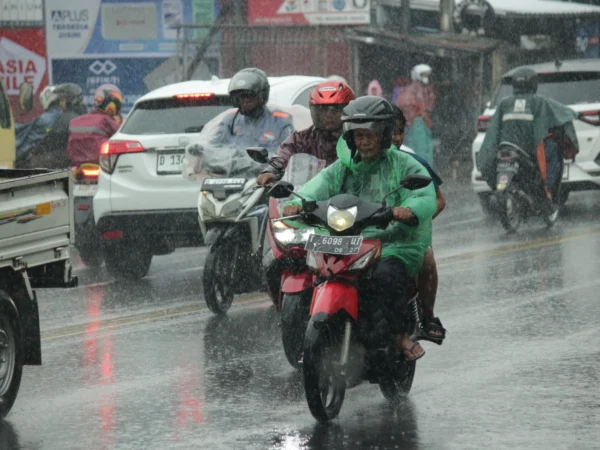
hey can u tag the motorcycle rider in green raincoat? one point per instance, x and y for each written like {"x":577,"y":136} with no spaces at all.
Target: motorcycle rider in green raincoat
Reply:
{"x":540,"y":126}
{"x":369,"y":167}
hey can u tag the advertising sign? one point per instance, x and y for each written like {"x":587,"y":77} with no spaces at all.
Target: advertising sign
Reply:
{"x":21,"y":13}
{"x":92,"y":42}
{"x":309,"y":12}
{"x":23,"y":60}
{"x":109,"y":27}
{"x":127,"y":73}
{"x":587,"y":39}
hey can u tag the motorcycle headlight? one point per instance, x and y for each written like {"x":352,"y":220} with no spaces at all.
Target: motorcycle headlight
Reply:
{"x":207,"y":207}
{"x":291,"y":236}
{"x":231,"y":208}
{"x":311,"y":260}
{"x":341,"y":219}
{"x":365,"y":259}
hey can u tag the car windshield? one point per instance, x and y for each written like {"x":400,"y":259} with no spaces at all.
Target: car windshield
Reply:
{"x":208,"y":154}
{"x":570,"y":88}
{"x":174,"y":116}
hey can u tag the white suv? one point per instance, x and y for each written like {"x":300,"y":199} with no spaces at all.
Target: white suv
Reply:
{"x":144,"y":207}
{"x":573,"y":83}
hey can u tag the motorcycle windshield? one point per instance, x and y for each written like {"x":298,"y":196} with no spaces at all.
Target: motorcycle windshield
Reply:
{"x":219,"y":150}
{"x":301,"y":168}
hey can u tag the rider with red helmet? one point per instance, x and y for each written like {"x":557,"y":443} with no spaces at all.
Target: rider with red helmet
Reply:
{"x":327,"y":101}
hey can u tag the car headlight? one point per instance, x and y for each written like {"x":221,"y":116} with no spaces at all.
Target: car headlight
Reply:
{"x":291,"y":236}
{"x":341,"y":219}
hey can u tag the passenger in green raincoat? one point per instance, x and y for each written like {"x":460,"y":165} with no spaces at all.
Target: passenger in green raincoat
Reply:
{"x":369,"y":168}
{"x":539,"y":125}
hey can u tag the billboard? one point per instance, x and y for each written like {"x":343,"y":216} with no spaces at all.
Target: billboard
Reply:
{"x":309,"y":12}
{"x":21,"y":13}
{"x":116,"y":41}
{"x":23,"y":60}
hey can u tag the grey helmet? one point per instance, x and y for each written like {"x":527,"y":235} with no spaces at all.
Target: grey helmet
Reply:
{"x":71,"y":92}
{"x":368,"y":112}
{"x":249,"y":79}
{"x":525,"y":81}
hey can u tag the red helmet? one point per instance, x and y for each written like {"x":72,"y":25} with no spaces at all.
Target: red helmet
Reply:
{"x":331,"y":93}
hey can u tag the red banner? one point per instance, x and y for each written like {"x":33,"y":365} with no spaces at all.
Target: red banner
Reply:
{"x":23,"y":60}
{"x":309,"y":12}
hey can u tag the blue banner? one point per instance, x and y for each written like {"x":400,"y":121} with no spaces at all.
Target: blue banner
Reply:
{"x":127,"y":73}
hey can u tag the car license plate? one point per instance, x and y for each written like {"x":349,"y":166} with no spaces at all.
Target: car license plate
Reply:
{"x":169,"y":163}
{"x":85,"y":190}
{"x":335,"y":245}
{"x":565,"y":175}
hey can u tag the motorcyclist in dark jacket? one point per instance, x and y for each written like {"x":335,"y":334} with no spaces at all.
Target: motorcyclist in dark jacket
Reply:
{"x":540,"y":126}
{"x":28,"y":135}
{"x":327,"y":101}
{"x":51,"y":151}
{"x":252,"y":123}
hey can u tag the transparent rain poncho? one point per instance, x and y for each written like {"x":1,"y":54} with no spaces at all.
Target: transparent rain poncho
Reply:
{"x":209,"y":157}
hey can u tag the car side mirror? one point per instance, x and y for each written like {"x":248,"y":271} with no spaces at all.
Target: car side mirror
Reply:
{"x":258,"y":154}
{"x":415,"y":181}
{"x":283,"y":189}
{"x":26,"y":97}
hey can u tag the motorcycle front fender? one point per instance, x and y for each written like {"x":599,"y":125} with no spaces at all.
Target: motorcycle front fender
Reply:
{"x":213,"y":235}
{"x":333,"y":296}
{"x":296,"y":282}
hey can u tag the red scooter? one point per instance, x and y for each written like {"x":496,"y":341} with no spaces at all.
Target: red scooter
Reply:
{"x":341,"y":349}
{"x":289,"y":281}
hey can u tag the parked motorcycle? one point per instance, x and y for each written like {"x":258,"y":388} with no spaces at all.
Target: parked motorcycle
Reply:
{"x":342,"y":349}
{"x":87,"y":237}
{"x":289,"y":281}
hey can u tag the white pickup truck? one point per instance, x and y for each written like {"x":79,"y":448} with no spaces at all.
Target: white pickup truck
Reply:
{"x":36,"y":231}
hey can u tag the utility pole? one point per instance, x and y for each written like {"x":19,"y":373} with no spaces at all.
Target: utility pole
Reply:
{"x":446,"y":10}
{"x":405,"y":17}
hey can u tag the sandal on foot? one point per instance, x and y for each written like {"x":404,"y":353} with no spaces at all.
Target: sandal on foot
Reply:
{"x":407,"y":350}
{"x":429,"y":325}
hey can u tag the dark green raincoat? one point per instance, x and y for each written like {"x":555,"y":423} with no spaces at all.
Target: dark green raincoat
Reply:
{"x":525,"y":120}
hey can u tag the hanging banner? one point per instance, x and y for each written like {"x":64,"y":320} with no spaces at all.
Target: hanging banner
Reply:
{"x":23,"y":60}
{"x":309,"y":12}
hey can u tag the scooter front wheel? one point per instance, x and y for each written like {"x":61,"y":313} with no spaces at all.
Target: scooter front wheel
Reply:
{"x":324,"y":386}
{"x":219,"y":277}
{"x":294,"y":314}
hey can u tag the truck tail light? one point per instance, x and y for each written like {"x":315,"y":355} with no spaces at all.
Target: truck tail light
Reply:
{"x":482,"y":123}
{"x":110,"y":151}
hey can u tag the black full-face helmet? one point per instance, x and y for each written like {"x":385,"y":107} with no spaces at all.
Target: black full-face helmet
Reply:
{"x":249,"y":80}
{"x":368,"y":112}
{"x":525,"y":81}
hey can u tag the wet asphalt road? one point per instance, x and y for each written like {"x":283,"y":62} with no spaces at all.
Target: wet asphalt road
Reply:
{"x":145,"y":366}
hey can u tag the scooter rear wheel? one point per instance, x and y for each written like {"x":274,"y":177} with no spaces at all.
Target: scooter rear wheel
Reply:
{"x":400,"y":381}
{"x":510,"y":212}
{"x":324,"y":387}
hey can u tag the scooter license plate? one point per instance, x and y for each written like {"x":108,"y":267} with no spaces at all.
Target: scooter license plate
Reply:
{"x":335,"y":245}
{"x":85,"y":190}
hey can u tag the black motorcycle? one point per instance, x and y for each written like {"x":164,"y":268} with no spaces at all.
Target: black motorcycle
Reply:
{"x":520,"y":193}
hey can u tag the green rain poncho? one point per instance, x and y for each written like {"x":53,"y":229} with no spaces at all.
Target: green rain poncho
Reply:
{"x":525,"y":120}
{"x":371,"y":181}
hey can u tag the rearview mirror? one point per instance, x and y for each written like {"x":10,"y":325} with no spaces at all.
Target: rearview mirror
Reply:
{"x":258,"y":154}
{"x":414,"y":182}
{"x":282,"y":189}
{"x":26,"y":97}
